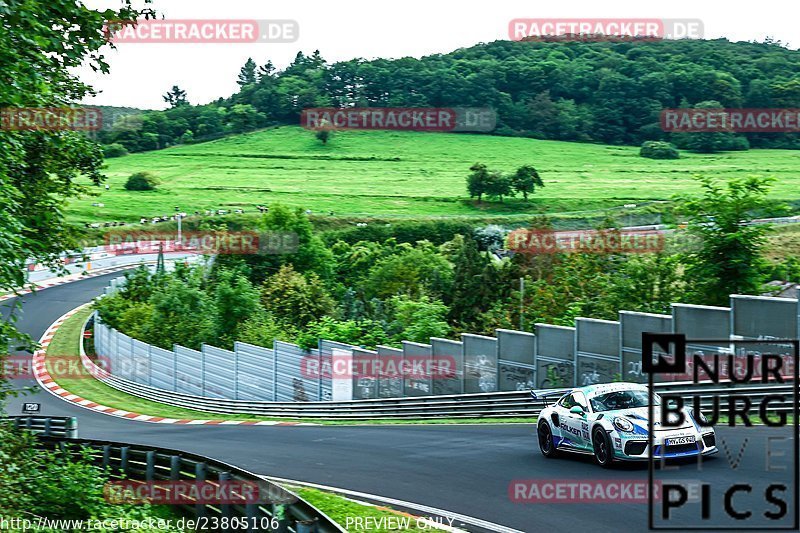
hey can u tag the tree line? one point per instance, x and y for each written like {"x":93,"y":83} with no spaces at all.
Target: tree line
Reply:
{"x":609,"y":92}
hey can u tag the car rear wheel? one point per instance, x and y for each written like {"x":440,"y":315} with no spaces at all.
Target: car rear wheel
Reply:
{"x":546,"y":444}
{"x":603,"y":452}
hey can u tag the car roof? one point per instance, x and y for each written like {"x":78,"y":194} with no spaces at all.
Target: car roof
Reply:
{"x":604,"y":388}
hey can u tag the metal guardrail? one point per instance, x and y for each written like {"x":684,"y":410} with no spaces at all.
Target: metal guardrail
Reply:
{"x":482,"y":405}
{"x":52,"y":426}
{"x":276,"y":506}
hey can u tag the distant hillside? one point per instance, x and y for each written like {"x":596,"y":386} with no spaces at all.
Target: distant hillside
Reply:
{"x":409,"y":174}
{"x":608,"y":92}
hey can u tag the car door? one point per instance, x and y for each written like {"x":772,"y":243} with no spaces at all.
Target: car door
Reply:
{"x":575,"y":427}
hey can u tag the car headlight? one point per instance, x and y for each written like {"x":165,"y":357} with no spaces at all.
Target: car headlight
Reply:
{"x":623,"y":424}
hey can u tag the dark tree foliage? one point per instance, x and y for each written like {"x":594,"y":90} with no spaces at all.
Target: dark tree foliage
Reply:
{"x":610,"y":92}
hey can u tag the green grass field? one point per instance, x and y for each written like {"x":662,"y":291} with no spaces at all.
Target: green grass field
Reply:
{"x":383,"y":173}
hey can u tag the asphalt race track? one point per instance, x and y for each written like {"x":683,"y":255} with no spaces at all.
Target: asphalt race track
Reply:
{"x":465,"y":469}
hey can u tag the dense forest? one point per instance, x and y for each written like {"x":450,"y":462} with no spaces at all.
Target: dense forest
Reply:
{"x":608,"y":92}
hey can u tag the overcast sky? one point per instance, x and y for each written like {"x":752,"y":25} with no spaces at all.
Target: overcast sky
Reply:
{"x":142,"y":72}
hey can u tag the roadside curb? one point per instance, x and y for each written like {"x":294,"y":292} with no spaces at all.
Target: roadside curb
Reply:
{"x":47,"y":382}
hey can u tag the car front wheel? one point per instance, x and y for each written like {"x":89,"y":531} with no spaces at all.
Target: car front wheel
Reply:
{"x":603,"y":452}
{"x":546,"y":444}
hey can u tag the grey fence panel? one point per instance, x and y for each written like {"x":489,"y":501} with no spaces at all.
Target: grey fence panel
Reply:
{"x":632,"y":325}
{"x":365,"y":378}
{"x":296,"y":380}
{"x":125,"y":362}
{"x":162,"y":368}
{"x":189,"y":370}
{"x":516,"y":352}
{"x":219,"y":372}
{"x":141,"y":361}
{"x":256,"y":377}
{"x":480,"y":363}
{"x":325,"y":350}
{"x":516,"y":346}
{"x":702,"y":322}
{"x":761,"y":317}
{"x":597,"y":337}
{"x":450,"y":353}
{"x":418,"y":358}
{"x":591,"y":370}
{"x":391,"y":384}
{"x":515,"y":376}
{"x":102,"y":345}
{"x":555,"y":356}
{"x":597,"y":351}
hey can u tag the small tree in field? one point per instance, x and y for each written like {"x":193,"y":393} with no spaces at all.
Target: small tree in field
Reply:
{"x":142,"y":181}
{"x":477,"y":181}
{"x":498,"y":185}
{"x":324,"y":135}
{"x":525,"y":180}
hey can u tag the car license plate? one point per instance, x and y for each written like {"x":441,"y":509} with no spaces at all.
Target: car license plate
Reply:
{"x":676,"y":441}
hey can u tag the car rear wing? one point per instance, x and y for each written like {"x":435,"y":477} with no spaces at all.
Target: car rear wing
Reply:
{"x":547,"y":394}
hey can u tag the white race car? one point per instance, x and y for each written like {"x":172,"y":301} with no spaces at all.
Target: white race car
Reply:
{"x":609,"y":421}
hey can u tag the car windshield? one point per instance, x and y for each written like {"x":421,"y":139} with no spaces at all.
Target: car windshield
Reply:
{"x":625,"y":399}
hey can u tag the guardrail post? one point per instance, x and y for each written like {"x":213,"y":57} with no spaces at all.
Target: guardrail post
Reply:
{"x":72,"y":428}
{"x":106,"y":456}
{"x":150,"y":463}
{"x":252,"y":517}
{"x":29,"y":423}
{"x":123,"y":459}
{"x":174,"y":467}
{"x":200,"y":477}
{"x":48,"y":427}
{"x":279,"y":514}
{"x":224,"y":509}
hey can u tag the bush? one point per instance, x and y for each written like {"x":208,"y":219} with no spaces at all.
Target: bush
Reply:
{"x":142,"y":181}
{"x":658,"y":150}
{"x":114,"y":150}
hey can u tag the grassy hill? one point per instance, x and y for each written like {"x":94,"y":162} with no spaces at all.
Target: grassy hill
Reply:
{"x":408,"y":174}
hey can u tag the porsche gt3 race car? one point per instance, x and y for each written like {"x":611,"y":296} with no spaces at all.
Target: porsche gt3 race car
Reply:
{"x":609,"y":421}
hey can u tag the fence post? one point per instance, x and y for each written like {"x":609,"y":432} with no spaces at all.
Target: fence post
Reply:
{"x":225,"y":508}
{"x":235,"y":372}
{"x":106,"y":456}
{"x":123,"y":459}
{"x":47,"y":427}
{"x":203,"y":369}
{"x":174,"y":368}
{"x":72,"y":428}
{"x":275,"y":370}
{"x":200,"y":477}
{"x":150,"y":463}
{"x":149,"y":364}
{"x":174,"y":467}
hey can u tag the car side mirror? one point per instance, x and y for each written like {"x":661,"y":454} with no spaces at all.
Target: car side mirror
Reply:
{"x":578,"y":410}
